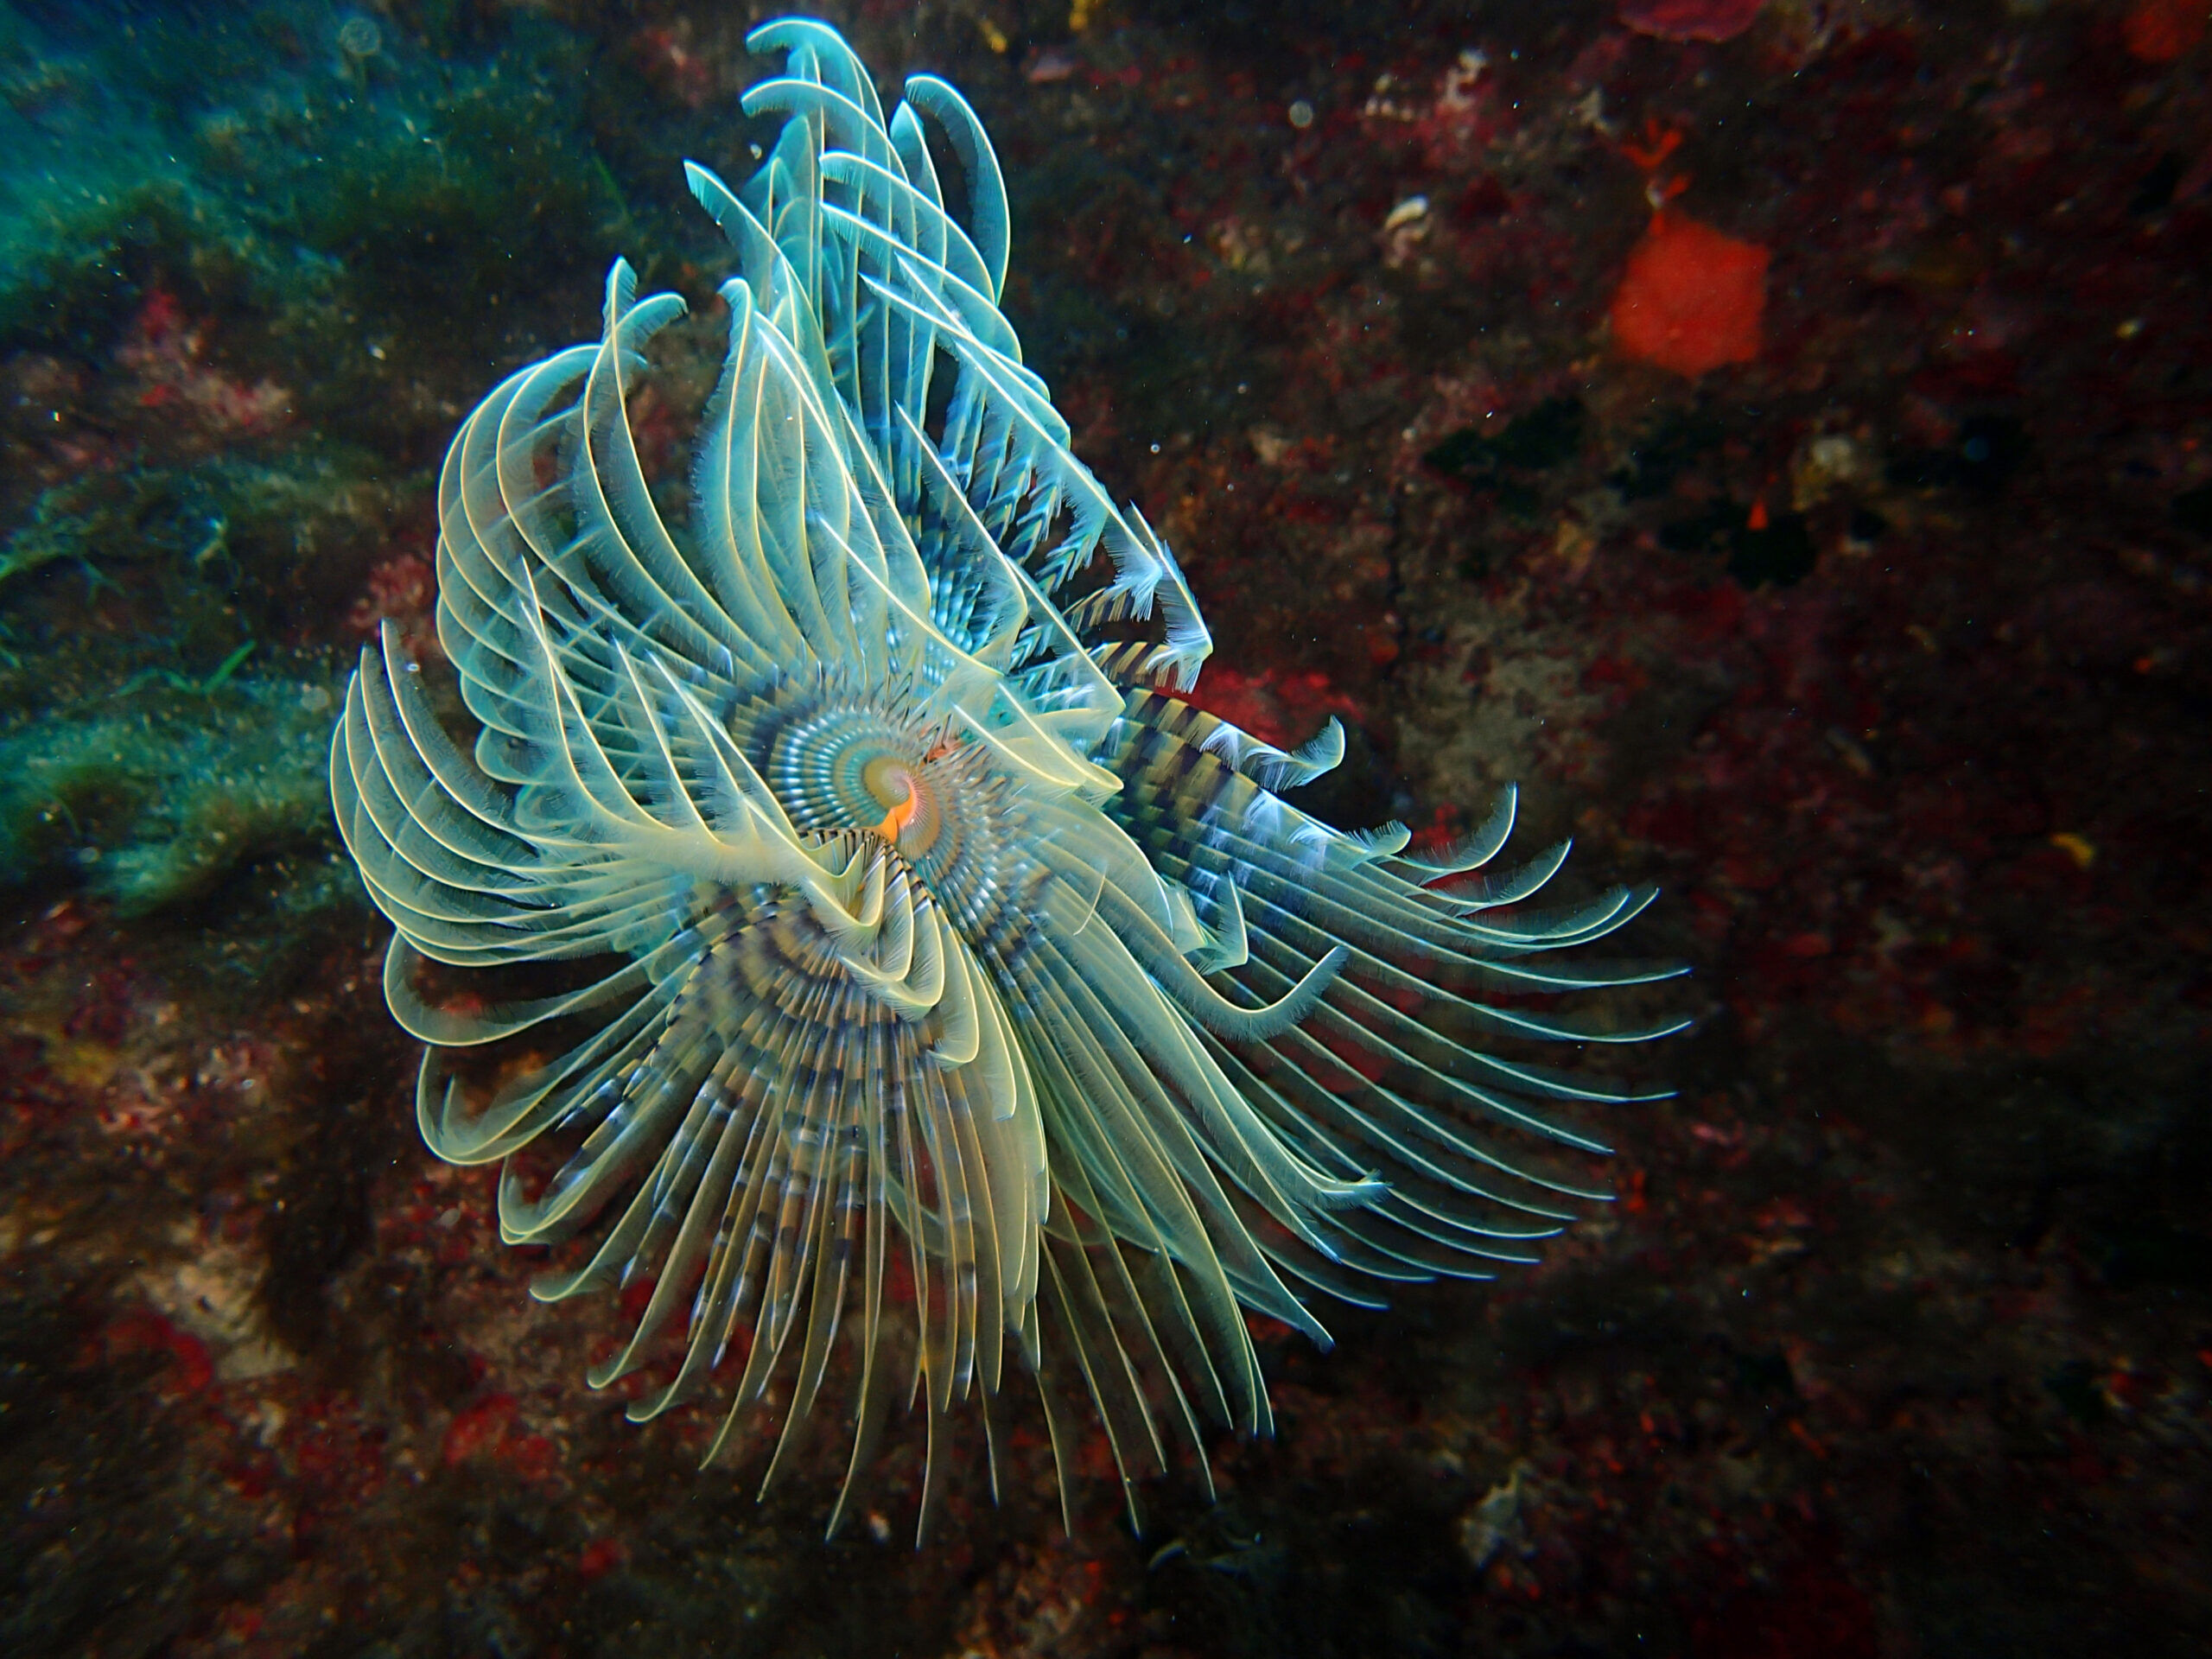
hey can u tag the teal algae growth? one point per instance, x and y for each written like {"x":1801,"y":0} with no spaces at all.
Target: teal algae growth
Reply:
{"x":947,"y":998}
{"x":200,"y":273}
{"x":157,"y":792}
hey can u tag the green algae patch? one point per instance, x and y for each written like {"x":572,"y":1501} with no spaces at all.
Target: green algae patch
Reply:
{"x":160,"y":793}
{"x":222,"y":518}
{"x":323,"y":209}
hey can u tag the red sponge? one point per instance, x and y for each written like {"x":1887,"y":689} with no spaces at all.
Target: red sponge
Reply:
{"x":2163,"y":31}
{"x":1691,"y":298}
{"x":1690,"y":20}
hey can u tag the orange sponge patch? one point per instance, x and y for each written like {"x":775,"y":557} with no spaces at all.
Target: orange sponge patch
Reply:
{"x":1691,"y":298}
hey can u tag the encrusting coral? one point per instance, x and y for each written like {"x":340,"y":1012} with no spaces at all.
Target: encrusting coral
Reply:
{"x":944,"y":983}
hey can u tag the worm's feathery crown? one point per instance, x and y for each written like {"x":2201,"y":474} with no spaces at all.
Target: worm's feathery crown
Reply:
{"x":944,"y":981}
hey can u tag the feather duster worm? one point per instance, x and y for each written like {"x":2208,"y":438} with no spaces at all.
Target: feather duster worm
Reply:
{"x":946,"y":991}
